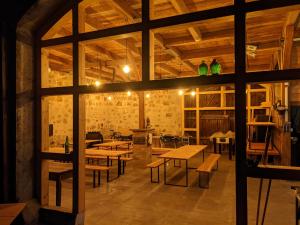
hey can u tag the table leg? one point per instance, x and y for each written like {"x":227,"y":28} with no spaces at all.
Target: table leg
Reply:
{"x":119,"y":166}
{"x":165,"y":171}
{"x":230,"y":149}
{"x":220,"y":149}
{"x":187,"y":173}
{"x":58,"y":191}
{"x":215,"y":145}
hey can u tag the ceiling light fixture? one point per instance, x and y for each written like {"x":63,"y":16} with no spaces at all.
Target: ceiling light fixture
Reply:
{"x":193,"y":93}
{"x":128,"y":93}
{"x":126,"y":68}
{"x":147,"y":95}
{"x":97,"y":83}
{"x":180,"y":92}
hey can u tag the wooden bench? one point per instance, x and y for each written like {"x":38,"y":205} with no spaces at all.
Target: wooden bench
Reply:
{"x":207,"y":166}
{"x":155,"y":164}
{"x":98,"y":168}
{"x":271,"y":152}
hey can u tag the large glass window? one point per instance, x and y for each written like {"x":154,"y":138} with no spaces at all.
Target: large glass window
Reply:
{"x":120,"y":70}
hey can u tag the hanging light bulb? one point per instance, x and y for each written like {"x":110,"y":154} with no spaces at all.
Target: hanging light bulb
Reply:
{"x":147,"y":95}
{"x":193,"y":93}
{"x":109,"y":98}
{"x":180,"y":92}
{"x":126,"y":69}
{"x":128,"y":93}
{"x":97,"y":83}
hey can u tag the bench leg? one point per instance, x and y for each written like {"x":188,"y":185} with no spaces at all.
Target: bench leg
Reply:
{"x":99,"y":175}
{"x":158,"y":174}
{"x":207,"y":180}
{"x":94,"y":178}
{"x":124,"y":163}
{"x":151,"y":175}
{"x":58,"y":191}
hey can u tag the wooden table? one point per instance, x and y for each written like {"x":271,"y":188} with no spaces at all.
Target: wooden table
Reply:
{"x":108,"y":154}
{"x":9,"y":212}
{"x":183,"y":153}
{"x":223,"y":139}
{"x":113,"y":144}
{"x":59,"y":171}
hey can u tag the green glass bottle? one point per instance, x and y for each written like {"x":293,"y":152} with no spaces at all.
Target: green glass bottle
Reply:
{"x":215,"y":67}
{"x":67,"y":145}
{"x":203,"y":69}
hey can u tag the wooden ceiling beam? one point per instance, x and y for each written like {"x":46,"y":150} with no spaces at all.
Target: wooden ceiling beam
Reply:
{"x":174,"y":52}
{"x":181,"y":8}
{"x":168,"y":69}
{"x":208,"y":52}
{"x":125,"y":9}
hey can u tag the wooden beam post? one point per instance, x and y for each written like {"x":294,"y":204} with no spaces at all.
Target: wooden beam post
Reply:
{"x":141,"y":109}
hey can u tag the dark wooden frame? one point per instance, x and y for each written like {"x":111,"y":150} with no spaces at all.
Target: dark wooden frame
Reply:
{"x":240,"y":78}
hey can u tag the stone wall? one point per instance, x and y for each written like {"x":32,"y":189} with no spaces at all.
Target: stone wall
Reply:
{"x":120,"y":113}
{"x":61,"y":116}
{"x":164,"y":111}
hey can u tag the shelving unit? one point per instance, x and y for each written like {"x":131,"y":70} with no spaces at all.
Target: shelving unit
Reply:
{"x":219,"y":100}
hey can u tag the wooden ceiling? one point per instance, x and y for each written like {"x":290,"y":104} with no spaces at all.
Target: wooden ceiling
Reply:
{"x":178,"y":50}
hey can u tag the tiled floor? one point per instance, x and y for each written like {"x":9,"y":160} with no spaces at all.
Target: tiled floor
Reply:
{"x":133,"y":200}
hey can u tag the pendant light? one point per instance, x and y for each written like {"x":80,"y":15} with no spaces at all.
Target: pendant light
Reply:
{"x":98,"y":81}
{"x":126,"y":67}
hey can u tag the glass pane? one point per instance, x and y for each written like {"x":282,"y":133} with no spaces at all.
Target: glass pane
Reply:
{"x":200,"y":48}
{"x":57,"y":185}
{"x":57,"y":66}
{"x":111,"y":60}
{"x":272,"y":110}
{"x":273,"y":39}
{"x":98,"y":15}
{"x":281,"y":203}
{"x":61,"y":28}
{"x":57,"y":123}
{"x":166,"y":8}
